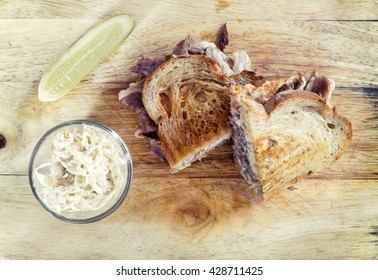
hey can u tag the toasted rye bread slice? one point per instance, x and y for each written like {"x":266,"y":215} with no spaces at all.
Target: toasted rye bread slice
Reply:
{"x":189,"y":99}
{"x":300,"y":135}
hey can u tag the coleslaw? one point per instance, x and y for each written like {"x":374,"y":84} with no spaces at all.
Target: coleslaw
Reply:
{"x":84,"y":171}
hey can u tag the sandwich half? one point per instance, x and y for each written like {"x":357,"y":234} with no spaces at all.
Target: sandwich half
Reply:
{"x":182,"y":100}
{"x":286,"y":130}
{"x":188,"y":98}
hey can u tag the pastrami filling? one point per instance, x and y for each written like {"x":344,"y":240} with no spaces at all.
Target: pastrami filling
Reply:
{"x":241,"y":147}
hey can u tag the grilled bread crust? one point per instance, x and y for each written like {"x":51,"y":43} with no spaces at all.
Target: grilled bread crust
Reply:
{"x":189,"y":99}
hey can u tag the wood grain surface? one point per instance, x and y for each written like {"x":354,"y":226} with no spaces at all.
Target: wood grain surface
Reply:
{"x":206,"y":211}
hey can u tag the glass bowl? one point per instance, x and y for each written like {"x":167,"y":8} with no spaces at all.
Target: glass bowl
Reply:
{"x":69,"y":185}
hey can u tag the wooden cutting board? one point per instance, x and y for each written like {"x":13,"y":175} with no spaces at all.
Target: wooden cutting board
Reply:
{"x":206,"y":211}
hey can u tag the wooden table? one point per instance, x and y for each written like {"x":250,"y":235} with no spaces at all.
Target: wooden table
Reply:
{"x":205,"y":211}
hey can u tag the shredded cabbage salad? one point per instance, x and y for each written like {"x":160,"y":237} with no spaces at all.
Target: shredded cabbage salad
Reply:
{"x":84,"y":172}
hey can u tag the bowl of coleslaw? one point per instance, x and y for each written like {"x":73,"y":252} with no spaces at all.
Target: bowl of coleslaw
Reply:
{"x":80,"y":171}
